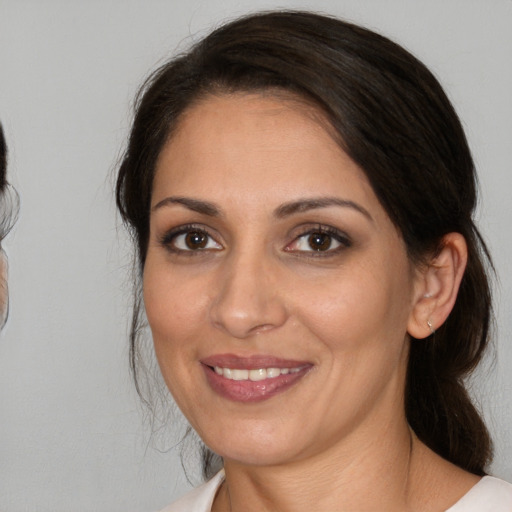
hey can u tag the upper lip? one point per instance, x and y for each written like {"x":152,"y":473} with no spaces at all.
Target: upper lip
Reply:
{"x":253,"y":362}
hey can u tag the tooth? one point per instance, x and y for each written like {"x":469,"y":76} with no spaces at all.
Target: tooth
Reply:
{"x":273,"y":372}
{"x":254,"y":375}
{"x":259,"y":374}
{"x":240,"y":374}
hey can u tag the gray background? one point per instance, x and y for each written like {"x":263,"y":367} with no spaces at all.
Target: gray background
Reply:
{"x":72,"y":437}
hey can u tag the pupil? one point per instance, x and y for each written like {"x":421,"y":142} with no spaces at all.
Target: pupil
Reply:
{"x":319,"y":241}
{"x":195,"y":240}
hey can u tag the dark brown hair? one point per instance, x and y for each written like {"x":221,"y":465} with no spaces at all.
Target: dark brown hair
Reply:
{"x":8,"y":196}
{"x":3,"y":159}
{"x":9,"y":203}
{"x":393,"y":119}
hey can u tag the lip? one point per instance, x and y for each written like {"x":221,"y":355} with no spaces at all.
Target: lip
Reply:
{"x":247,"y":390}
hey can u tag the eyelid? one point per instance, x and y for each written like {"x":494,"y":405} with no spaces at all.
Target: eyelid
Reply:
{"x":340,"y":236}
{"x":166,"y":240}
{"x":169,"y":236}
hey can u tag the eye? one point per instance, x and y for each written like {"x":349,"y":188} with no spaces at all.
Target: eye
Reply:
{"x":319,"y":240}
{"x":190,"y":239}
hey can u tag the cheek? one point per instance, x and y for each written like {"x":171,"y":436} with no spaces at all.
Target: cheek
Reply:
{"x":174,"y":308}
{"x":174,"y":302}
{"x":363,"y":308}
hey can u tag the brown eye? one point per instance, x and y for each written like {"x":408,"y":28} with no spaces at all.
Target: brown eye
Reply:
{"x":189,"y":239}
{"x":320,"y":241}
{"x":326,"y":241}
{"x":196,"y":240}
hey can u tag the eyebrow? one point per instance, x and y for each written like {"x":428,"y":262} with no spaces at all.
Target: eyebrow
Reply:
{"x":196,"y":205}
{"x":314,"y":203}
{"x":285,"y":210}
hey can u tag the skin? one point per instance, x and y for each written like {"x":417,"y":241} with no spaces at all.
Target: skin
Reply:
{"x":337,"y":439}
{"x":4,"y":296}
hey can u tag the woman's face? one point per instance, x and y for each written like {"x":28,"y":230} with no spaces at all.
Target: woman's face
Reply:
{"x":277,"y":289}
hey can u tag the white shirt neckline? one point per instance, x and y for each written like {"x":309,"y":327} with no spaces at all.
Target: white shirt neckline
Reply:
{"x":490,"y":494}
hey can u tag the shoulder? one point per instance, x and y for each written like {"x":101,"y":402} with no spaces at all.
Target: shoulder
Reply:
{"x":199,"y":499}
{"x":488,"y":495}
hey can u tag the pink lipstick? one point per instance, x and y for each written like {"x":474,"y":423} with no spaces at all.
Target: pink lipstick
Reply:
{"x":252,"y":379}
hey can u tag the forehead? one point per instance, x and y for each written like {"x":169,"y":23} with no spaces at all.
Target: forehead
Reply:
{"x":241,"y":141}
{"x":251,"y":119}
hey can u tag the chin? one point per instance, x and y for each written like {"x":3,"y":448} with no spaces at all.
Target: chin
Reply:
{"x":255,"y":446}
{"x":257,"y":456}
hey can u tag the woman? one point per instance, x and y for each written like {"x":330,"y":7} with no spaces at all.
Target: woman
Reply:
{"x":300,"y":191}
{"x":8,"y":213}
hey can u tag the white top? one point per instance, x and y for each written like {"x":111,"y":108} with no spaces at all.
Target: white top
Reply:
{"x":488,"y":495}
{"x":199,"y":499}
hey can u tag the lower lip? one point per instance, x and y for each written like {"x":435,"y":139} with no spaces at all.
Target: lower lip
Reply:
{"x":252,"y":391}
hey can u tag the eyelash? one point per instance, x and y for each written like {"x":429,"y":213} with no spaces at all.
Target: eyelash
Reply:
{"x":169,"y":238}
{"x":335,"y":234}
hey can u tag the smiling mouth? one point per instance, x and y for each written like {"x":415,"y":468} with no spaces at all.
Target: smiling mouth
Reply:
{"x":252,"y":379}
{"x":256,"y":374}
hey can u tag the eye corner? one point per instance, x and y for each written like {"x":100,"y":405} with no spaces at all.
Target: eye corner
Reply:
{"x":329,"y":241}
{"x":189,"y":239}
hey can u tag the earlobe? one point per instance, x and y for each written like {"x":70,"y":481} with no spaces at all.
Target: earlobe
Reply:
{"x":437,"y":286}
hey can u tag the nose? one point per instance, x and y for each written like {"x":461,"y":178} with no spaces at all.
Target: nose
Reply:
{"x":249,"y":299}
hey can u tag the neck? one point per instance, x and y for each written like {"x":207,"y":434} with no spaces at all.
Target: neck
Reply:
{"x":372,"y":474}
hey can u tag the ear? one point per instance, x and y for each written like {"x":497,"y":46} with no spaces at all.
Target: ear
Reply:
{"x":436,"y":286}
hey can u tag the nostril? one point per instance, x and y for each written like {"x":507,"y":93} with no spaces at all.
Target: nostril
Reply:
{"x":262,"y":328}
